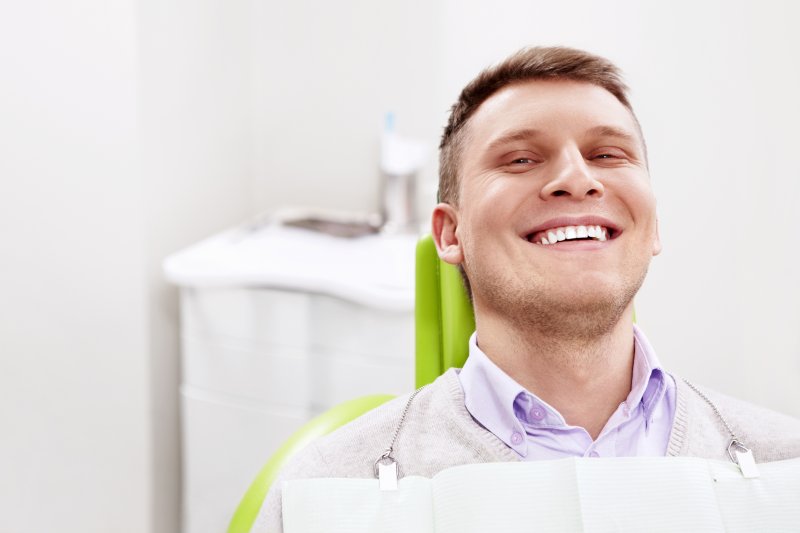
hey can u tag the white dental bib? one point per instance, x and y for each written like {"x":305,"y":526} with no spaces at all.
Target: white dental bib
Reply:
{"x":590,"y":495}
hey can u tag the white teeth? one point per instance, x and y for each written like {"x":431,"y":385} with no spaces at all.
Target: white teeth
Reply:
{"x":567,"y":233}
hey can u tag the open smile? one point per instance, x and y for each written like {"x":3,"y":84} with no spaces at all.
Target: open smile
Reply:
{"x":583,"y":229}
{"x":572,"y":233}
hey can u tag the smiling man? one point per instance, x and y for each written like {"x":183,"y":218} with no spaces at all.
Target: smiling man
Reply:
{"x":546,"y":206}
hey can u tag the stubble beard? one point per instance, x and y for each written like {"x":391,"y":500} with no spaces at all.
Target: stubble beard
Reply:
{"x":532,"y":308}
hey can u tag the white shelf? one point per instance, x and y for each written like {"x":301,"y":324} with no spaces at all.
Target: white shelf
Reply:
{"x":375,"y":271}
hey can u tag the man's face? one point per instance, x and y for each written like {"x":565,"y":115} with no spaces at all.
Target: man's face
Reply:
{"x":544,"y":161}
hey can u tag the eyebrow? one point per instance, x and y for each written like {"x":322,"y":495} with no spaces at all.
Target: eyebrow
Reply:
{"x":513,"y":136}
{"x":530,"y":133}
{"x":612,"y":131}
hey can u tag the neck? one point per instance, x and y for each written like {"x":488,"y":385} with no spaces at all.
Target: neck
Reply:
{"x":585,"y":379}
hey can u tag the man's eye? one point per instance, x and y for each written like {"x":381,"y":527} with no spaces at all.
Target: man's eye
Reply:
{"x":522,"y":161}
{"x":609,"y":154}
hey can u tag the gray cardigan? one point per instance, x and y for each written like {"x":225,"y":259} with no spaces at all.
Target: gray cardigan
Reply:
{"x":438,"y":433}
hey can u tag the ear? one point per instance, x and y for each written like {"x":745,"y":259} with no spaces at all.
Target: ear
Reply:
{"x":444,"y":223}
{"x":657,"y":241}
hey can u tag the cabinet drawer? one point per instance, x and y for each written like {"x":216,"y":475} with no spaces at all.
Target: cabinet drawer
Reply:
{"x":276,"y":375}
{"x":225,"y":444}
{"x":339,"y":325}
{"x":258,"y":315}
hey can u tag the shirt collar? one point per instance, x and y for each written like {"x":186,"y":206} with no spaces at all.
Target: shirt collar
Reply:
{"x":500,"y":404}
{"x":648,"y":383}
{"x":489,"y":395}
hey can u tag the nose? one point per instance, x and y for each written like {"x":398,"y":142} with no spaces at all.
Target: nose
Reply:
{"x":572,"y":177}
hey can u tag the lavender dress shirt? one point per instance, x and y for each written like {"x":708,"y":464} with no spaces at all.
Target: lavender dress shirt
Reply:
{"x":640,"y":426}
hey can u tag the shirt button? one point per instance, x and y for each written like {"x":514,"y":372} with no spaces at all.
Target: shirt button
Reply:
{"x":537,"y":414}
{"x":516,"y":438}
{"x":594,"y":453}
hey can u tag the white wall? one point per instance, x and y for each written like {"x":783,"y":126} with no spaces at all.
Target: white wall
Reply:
{"x":326,"y":74}
{"x":126,"y":134}
{"x":715,"y":85}
{"x":74,"y":450}
{"x":196,"y":138}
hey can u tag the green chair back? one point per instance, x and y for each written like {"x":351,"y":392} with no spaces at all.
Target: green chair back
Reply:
{"x":444,"y":319}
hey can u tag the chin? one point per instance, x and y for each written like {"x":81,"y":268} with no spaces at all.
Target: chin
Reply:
{"x":595,"y":299}
{"x":577,"y":310}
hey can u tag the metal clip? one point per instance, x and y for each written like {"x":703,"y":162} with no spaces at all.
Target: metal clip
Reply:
{"x":742,"y":456}
{"x":385,"y":470}
{"x":738,"y":452}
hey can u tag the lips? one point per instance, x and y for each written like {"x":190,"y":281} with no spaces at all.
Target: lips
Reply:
{"x":570,"y":233}
{"x":564,"y":229}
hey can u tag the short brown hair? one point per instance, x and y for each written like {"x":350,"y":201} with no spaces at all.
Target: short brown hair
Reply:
{"x":535,"y":63}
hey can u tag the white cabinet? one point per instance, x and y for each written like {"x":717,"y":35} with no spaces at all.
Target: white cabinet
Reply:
{"x":264,"y":349}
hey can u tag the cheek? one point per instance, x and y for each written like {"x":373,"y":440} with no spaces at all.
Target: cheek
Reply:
{"x":642,"y":202}
{"x":494,"y":203}
{"x":482,"y":225}
{"x":477,"y":230}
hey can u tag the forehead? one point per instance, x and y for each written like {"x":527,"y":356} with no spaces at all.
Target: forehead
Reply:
{"x":555,"y":106}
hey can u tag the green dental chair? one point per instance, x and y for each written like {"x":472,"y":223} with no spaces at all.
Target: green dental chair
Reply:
{"x":443,"y":323}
